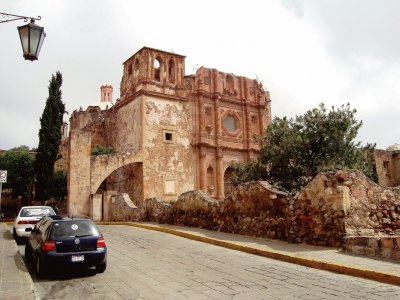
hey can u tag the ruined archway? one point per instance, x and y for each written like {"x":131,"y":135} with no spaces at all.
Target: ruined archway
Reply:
{"x":126,"y":179}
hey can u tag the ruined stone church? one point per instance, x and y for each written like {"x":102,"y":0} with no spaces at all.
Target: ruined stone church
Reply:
{"x":169,"y":133}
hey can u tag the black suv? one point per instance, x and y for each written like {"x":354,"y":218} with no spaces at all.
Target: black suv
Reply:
{"x":57,"y":241}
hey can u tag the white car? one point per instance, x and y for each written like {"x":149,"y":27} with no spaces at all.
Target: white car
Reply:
{"x":26,"y":219}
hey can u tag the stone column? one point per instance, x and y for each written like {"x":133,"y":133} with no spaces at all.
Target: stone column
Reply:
{"x":217,"y":120}
{"x":220,"y":175}
{"x":202,"y":170}
{"x":78,"y":202}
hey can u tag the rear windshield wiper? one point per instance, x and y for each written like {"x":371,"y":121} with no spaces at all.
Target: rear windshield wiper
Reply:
{"x":83,"y":235}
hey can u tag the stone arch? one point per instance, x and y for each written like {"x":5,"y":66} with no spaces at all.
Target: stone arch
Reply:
{"x":127,"y":179}
{"x":102,"y":166}
{"x":157,"y":68}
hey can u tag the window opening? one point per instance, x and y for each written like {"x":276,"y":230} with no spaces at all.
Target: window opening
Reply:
{"x":230,"y":123}
{"x":157,"y":67}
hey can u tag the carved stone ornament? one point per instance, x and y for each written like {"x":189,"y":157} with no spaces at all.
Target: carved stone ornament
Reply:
{"x":251,"y":91}
{"x":207,"y":111}
{"x":206,"y":80}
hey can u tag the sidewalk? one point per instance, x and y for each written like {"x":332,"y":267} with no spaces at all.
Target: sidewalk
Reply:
{"x":15,"y":281}
{"x":324,"y":258}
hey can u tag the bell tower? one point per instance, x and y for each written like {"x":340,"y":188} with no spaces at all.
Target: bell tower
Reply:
{"x":106,"y":92}
{"x":152,"y":67}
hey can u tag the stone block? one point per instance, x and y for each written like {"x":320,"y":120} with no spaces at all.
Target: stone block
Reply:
{"x":371,"y":252}
{"x":359,"y":250}
{"x":386,"y":252}
{"x":386,"y":242}
{"x":373,"y":242}
{"x":361,"y":241}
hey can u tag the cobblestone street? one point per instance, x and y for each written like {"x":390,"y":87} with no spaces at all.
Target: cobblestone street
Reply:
{"x":145,"y":264}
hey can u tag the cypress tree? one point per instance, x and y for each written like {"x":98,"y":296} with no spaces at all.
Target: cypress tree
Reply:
{"x":49,"y":138}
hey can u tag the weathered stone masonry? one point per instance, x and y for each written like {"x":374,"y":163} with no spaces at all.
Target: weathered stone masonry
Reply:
{"x":181,"y":132}
{"x":338,"y":209}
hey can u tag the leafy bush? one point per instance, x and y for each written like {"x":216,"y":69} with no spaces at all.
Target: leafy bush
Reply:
{"x":100,"y":150}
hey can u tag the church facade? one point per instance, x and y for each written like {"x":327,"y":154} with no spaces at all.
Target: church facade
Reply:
{"x":169,"y":133}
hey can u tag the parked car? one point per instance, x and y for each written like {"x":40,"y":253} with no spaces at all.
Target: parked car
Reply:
{"x":26,"y":219}
{"x":57,"y":242}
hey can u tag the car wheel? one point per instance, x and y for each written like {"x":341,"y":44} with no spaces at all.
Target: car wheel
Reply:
{"x":18,"y":240}
{"x":16,"y":237}
{"x":101,"y":268}
{"x":41,"y":269}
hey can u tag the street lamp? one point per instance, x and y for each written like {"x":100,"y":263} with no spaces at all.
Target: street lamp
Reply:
{"x":31,"y":35}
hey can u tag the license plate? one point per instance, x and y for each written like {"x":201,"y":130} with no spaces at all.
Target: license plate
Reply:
{"x":77,"y":258}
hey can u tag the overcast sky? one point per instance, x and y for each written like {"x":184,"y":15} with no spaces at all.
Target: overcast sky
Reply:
{"x":304,"y":51}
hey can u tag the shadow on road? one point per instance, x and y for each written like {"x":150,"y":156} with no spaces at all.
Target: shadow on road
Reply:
{"x":61,"y":274}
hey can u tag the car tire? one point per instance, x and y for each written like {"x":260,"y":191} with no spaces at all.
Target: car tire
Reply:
{"x":17,"y":239}
{"x":41,"y":269}
{"x":101,"y":268}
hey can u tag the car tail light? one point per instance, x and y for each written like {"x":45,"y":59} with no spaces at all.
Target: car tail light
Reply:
{"x":49,"y":245}
{"x":28,"y":222}
{"x":101,"y":243}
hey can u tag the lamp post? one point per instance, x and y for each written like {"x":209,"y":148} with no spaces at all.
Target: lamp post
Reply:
{"x":31,"y":35}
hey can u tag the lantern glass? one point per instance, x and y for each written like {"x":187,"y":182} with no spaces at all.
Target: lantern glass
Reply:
{"x":32,"y":37}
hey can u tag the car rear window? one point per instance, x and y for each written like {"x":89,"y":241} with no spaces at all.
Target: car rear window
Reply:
{"x":74,"y":228}
{"x":36,"y":212}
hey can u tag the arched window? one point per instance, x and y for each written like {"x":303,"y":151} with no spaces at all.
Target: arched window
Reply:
{"x":157,"y":69}
{"x":229,"y":82}
{"x":171,"y":71}
{"x":130,"y":69}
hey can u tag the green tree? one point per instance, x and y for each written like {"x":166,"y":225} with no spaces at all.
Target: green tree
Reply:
{"x":49,"y":138}
{"x":295,"y":150}
{"x":20,"y":172}
{"x":58,"y":185}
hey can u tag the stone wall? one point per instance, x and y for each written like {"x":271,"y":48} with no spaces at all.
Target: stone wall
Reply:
{"x":331,"y":208}
{"x":373,"y":246}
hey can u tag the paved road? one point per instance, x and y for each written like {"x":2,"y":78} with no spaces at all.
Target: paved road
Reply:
{"x":144,"y":264}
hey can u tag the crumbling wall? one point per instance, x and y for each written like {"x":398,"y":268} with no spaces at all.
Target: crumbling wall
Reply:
{"x":331,"y":209}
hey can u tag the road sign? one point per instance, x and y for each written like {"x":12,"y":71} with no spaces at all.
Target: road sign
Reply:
{"x":3,"y":176}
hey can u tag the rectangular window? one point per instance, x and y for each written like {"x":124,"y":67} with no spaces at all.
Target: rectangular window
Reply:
{"x":168,"y":136}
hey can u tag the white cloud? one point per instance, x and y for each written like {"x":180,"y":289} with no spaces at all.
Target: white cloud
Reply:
{"x":305,"y":52}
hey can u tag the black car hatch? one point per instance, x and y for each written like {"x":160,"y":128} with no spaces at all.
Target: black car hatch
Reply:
{"x":76,"y":244}
{"x":75,"y":235}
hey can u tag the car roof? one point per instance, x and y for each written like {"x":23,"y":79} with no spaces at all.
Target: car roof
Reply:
{"x":62,"y":218}
{"x":36,"y":206}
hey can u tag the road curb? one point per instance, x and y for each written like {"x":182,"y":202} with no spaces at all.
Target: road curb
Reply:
{"x":280,"y":255}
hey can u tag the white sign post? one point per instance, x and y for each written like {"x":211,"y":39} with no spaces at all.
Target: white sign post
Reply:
{"x":3,"y":178}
